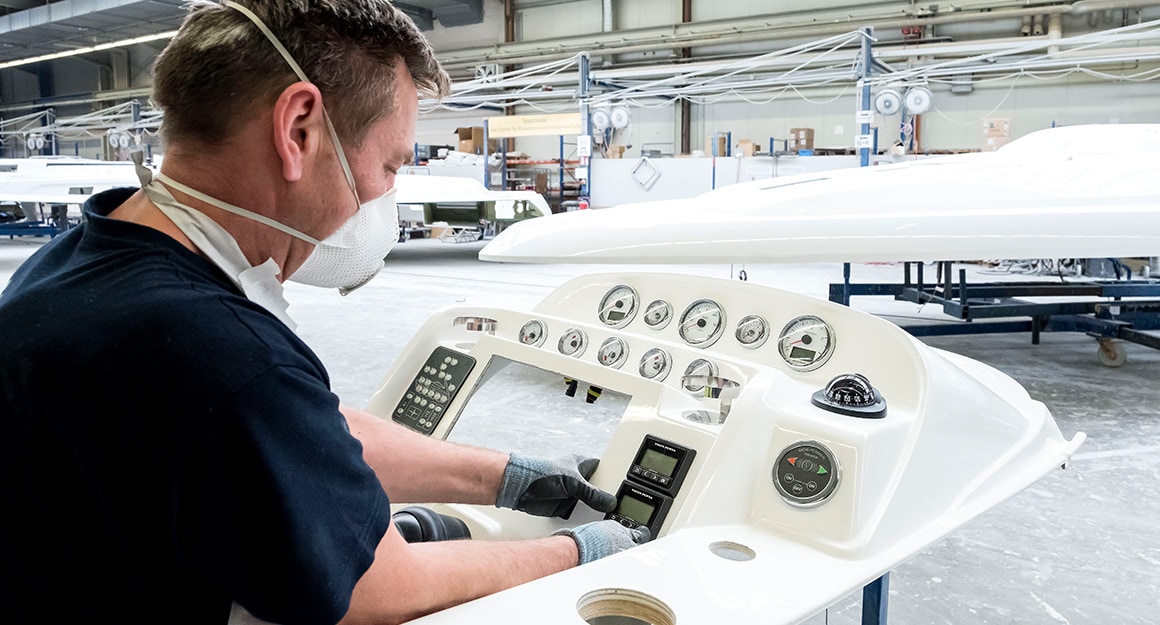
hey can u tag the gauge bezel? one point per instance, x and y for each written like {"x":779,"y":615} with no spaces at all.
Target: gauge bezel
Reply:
{"x":718,"y":332}
{"x":664,"y":322}
{"x":619,"y":362}
{"x":628,"y":316}
{"x":821,"y":359}
{"x":663,"y":373}
{"x":713,"y":372}
{"x":759,"y":342}
{"x":579,"y":350}
{"x":543,"y":333}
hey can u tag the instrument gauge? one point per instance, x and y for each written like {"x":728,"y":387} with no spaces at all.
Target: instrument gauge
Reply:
{"x":618,"y":306}
{"x":752,"y":331}
{"x":533,"y":333}
{"x":613,"y":352}
{"x":655,"y":364}
{"x":806,"y":343}
{"x":573,"y":343}
{"x":699,"y":367}
{"x":658,"y":314}
{"x":702,"y":323}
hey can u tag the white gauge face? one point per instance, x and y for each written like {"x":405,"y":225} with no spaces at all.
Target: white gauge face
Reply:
{"x":752,"y":331}
{"x":699,"y":366}
{"x":702,"y":323}
{"x":613,"y":352}
{"x":655,"y":364}
{"x":806,"y":343}
{"x":658,"y":314}
{"x":533,"y":333}
{"x":618,"y":306}
{"x":573,"y":342}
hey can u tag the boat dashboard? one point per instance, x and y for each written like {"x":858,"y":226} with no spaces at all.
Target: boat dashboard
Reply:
{"x":783,"y":450}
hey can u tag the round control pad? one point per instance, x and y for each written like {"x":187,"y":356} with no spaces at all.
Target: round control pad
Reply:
{"x":806,"y":474}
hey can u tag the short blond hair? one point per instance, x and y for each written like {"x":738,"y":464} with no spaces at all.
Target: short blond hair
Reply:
{"x":220,"y":69}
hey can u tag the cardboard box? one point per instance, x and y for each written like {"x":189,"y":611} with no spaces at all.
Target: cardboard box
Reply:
{"x":745,"y":147}
{"x":722,"y":144}
{"x":997,"y":127}
{"x":470,"y":139}
{"x":801,"y":138}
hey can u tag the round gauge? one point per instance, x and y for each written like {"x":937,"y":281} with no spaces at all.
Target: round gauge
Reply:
{"x":806,"y":474}
{"x":806,"y":343}
{"x":618,"y":306}
{"x":655,"y":364}
{"x":613,"y":352}
{"x":752,"y":331}
{"x":533,"y":333}
{"x":702,"y":323}
{"x":699,"y":366}
{"x":658,"y":314}
{"x":573,"y":342}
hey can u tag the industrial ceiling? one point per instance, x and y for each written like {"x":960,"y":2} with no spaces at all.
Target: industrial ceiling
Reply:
{"x":31,"y":28}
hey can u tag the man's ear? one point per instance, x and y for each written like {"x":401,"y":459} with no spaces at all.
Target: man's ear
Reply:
{"x":299,"y":128}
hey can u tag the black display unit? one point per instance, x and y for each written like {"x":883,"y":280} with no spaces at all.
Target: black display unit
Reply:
{"x":653,"y":481}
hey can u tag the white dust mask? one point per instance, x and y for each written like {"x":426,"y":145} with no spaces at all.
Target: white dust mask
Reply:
{"x":354,"y":254}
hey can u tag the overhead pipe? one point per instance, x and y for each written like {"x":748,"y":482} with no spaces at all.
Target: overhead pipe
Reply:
{"x":718,"y":32}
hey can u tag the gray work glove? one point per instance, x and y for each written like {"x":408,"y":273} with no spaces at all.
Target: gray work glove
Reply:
{"x":603,"y":538}
{"x":551,"y":487}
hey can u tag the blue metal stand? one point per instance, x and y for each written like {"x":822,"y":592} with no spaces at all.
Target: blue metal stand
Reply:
{"x":990,"y":307}
{"x":875,"y":596}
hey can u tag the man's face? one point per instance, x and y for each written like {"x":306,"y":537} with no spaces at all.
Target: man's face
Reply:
{"x":389,"y":145}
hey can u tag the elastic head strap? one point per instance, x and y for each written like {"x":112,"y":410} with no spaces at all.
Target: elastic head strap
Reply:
{"x":301,"y":76}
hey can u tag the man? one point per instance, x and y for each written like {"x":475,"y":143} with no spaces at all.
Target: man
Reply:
{"x":172,"y":452}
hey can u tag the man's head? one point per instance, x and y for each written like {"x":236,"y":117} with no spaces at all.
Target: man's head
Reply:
{"x":220,"y":69}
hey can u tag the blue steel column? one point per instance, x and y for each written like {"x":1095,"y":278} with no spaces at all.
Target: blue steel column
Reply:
{"x":136,"y":108}
{"x":585,"y":120}
{"x":863,"y":152}
{"x":486,"y":176}
{"x":50,"y":120}
{"x":867,"y":70}
{"x":875,"y":595}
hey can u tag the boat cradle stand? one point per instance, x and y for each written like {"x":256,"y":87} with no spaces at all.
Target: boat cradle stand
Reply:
{"x":995,"y":307}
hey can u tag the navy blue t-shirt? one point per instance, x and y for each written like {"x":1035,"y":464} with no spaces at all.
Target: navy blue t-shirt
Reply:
{"x":168,"y":446}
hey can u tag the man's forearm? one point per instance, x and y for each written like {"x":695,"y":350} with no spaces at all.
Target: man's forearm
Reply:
{"x":408,"y":581}
{"x":415,"y":468}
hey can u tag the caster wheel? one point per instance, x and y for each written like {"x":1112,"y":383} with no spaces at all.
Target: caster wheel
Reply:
{"x":1111,"y":353}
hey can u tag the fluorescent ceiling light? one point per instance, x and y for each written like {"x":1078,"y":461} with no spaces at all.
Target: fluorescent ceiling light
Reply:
{"x":96,"y":48}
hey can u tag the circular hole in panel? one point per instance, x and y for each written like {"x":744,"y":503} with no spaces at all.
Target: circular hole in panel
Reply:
{"x":620,"y":606}
{"x":732,"y":551}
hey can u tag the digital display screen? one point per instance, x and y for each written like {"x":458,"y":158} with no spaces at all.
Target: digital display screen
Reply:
{"x":635,"y":509}
{"x":801,"y":352}
{"x":656,"y":461}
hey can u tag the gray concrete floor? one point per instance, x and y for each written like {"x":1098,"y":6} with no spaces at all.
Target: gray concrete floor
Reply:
{"x":1076,"y":548}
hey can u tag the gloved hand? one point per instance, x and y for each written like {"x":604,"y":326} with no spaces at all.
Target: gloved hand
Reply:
{"x":551,"y":487}
{"x":603,"y":538}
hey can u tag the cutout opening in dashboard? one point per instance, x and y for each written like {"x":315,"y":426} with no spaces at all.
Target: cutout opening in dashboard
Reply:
{"x":621,"y":606}
{"x":521,"y":408}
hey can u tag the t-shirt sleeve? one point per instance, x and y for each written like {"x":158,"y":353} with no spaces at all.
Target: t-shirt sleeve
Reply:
{"x":277,"y":504}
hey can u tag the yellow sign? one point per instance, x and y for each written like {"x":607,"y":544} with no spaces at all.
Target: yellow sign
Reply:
{"x":533,"y":125}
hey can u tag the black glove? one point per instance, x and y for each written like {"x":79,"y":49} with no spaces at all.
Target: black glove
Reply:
{"x":551,"y":487}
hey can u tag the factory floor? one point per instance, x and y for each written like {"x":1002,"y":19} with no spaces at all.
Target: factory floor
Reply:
{"x":1079,"y":547}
